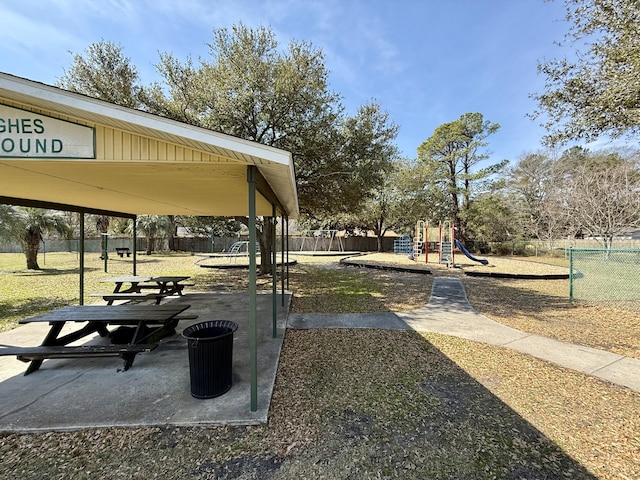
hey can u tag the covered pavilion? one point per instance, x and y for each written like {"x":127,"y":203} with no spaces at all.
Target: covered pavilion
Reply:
{"x":66,"y":151}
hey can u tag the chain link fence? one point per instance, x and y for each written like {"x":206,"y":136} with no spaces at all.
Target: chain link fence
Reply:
{"x":609,"y":276}
{"x":540,"y":248}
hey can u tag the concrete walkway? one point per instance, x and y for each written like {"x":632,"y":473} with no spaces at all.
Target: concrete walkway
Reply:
{"x":449,"y":312}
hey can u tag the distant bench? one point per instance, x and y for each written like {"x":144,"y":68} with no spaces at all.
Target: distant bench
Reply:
{"x":122,"y":250}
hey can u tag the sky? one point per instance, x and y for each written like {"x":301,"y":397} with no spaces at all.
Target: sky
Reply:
{"x":426,"y":62}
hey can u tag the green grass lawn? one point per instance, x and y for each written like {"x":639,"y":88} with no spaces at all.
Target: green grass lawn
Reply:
{"x":606,"y":277}
{"x":25,"y":293}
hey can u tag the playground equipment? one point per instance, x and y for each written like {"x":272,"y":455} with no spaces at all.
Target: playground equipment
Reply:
{"x":320,"y":238}
{"x":483,"y":261}
{"x":429,"y":239}
{"x":402,"y":245}
{"x":447,"y":237}
{"x":240,"y":249}
{"x":443,"y":239}
{"x":420,"y":238}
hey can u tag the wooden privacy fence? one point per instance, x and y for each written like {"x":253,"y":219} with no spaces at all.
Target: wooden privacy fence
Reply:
{"x":205,"y":244}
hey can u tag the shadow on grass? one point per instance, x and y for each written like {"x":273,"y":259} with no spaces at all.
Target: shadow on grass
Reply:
{"x":51,"y":272}
{"x":11,"y":313}
{"x":391,"y":404}
{"x":346,"y":404}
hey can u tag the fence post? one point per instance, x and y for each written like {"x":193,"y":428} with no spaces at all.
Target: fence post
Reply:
{"x":570,"y":274}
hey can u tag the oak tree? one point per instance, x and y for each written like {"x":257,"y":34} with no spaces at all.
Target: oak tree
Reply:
{"x":595,"y":91}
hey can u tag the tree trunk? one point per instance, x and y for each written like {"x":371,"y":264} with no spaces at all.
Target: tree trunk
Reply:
{"x":608,"y":241}
{"x":31,"y":253}
{"x":174,"y":232}
{"x":379,"y":239}
{"x":150,"y":244}
{"x":263,"y":235}
{"x":102,"y":225}
{"x":266,"y":245}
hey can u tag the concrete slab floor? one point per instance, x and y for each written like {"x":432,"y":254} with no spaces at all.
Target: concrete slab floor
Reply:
{"x":73,"y":394}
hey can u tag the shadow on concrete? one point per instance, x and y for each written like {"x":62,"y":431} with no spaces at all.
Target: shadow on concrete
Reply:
{"x":72,"y":394}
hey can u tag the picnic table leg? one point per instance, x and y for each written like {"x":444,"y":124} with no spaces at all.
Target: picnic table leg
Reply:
{"x":129,"y":357}
{"x":50,"y":339}
{"x":33,"y":366}
{"x":128,"y":360}
{"x":134,"y":288}
{"x":102,"y":329}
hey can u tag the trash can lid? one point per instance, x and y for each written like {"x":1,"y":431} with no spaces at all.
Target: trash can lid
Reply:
{"x":210,"y":329}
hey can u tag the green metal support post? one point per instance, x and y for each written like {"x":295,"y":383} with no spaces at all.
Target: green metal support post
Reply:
{"x":283,"y":220}
{"x":105,"y":255}
{"x":570,"y":274}
{"x":274,"y":277}
{"x":253,"y":349}
{"x":81,"y":254}
{"x":135,"y":241}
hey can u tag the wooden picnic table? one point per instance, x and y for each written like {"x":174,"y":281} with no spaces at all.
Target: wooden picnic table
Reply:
{"x":168,"y":285}
{"x":130,"y":288}
{"x":150,"y":321}
{"x":133,"y":280}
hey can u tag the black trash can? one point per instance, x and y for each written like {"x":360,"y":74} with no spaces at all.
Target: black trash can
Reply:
{"x":210,"y":347}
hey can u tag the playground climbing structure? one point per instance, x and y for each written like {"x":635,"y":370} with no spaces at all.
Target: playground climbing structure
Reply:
{"x":420,"y":238}
{"x":447,"y":238}
{"x":431,"y":240}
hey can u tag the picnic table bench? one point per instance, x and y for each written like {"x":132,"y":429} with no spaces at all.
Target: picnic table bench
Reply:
{"x":164,"y":285}
{"x":122,"y":250}
{"x":27,"y":354}
{"x":150,"y":322}
{"x":167,"y":285}
{"x":130,"y":297}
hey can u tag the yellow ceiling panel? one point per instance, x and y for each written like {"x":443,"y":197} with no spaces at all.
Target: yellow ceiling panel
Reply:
{"x":170,"y":189}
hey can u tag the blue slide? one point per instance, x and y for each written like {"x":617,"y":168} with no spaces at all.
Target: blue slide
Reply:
{"x":483,"y":261}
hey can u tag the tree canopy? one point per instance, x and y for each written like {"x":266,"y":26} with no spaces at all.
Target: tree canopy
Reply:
{"x":451,"y":155}
{"x":104,"y":72}
{"x":581,"y":192}
{"x":250,"y":88}
{"x":596,"y":91}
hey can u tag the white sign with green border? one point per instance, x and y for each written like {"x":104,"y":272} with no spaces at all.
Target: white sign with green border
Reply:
{"x":25,"y":134}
